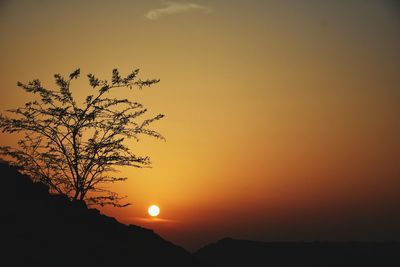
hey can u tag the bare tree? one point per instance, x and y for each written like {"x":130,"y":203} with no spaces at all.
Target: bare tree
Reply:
{"x":74,"y":148}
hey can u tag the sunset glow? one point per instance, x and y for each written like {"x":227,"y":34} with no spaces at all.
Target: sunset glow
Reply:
{"x":282,"y":118}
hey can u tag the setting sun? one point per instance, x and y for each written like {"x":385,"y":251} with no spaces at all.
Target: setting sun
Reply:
{"x":153,"y":210}
{"x":274,"y":122}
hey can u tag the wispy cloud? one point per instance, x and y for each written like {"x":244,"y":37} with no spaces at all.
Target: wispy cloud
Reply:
{"x":172,"y":8}
{"x":151,"y":220}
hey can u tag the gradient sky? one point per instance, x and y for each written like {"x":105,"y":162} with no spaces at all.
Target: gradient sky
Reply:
{"x":282,"y":117}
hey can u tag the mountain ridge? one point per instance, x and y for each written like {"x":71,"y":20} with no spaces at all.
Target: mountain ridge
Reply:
{"x":41,"y":229}
{"x":235,"y":252}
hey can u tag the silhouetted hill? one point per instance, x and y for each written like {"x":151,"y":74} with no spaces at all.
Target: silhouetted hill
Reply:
{"x":230,"y":252}
{"x":39,"y":229}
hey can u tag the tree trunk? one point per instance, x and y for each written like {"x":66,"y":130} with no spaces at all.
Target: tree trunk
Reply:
{"x":76,"y":195}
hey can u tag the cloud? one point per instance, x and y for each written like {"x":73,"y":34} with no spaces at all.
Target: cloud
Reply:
{"x":152,"y":220}
{"x":172,"y":8}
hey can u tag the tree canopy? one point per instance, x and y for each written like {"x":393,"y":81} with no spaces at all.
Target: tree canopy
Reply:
{"x":74,"y":147}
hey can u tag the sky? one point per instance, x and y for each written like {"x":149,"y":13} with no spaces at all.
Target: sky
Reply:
{"x":282,"y":117}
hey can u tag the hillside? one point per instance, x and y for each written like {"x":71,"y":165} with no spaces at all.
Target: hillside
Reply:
{"x":231,"y":252}
{"x":39,"y":229}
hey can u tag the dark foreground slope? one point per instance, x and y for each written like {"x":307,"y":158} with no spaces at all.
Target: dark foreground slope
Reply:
{"x":39,"y":229}
{"x":230,"y":252}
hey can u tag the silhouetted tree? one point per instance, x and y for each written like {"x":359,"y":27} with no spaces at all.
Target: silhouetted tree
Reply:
{"x":74,"y":148}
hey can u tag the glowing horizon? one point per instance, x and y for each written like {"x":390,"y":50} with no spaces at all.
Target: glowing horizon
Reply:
{"x":282,"y":119}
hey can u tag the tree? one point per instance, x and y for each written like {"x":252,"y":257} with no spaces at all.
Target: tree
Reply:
{"x":74,"y":148}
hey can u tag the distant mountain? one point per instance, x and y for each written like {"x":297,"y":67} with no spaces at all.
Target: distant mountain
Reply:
{"x":39,"y":229}
{"x":231,"y":252}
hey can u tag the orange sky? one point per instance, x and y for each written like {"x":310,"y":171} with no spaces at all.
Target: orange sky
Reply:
{"x":282,"y":118}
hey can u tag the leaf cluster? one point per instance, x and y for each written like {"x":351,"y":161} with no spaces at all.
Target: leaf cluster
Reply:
{"x":74,"y":148}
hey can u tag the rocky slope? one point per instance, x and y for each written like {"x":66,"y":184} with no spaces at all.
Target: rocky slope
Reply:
{"x":39,"y":229}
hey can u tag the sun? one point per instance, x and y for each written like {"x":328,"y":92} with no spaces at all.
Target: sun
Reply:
{"x":153,"y":210}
